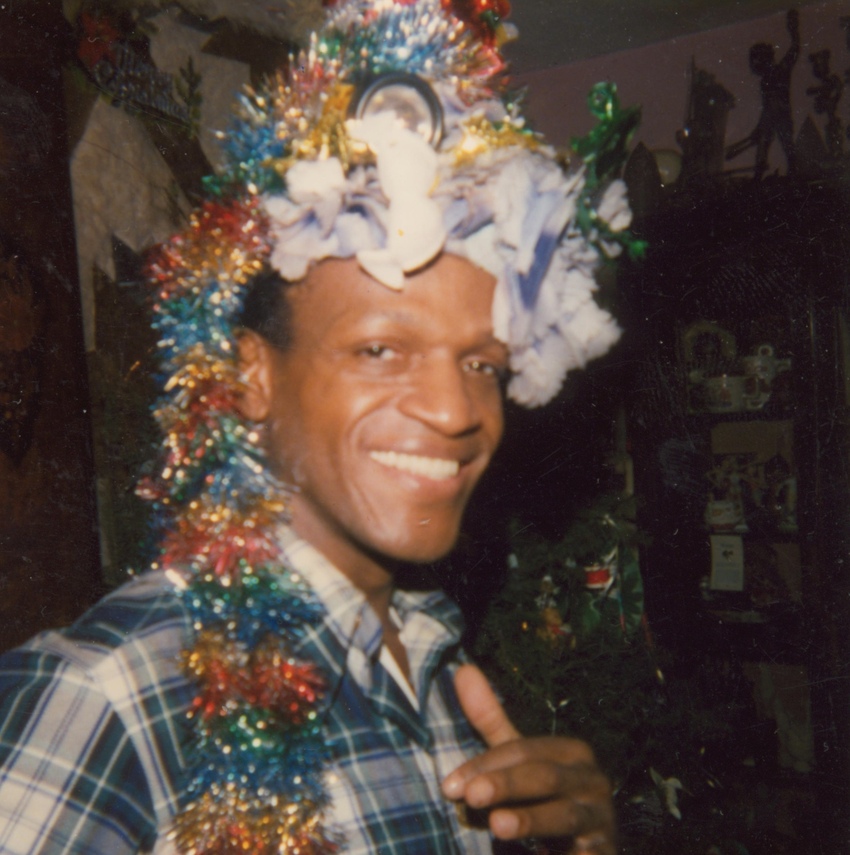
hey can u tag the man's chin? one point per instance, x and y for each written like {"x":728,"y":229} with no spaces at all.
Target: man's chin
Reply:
{"x":419,"y":550}
{"x":422,"y":571}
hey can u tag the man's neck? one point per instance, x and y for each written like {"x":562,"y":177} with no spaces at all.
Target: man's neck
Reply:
{"x":366,"y":572}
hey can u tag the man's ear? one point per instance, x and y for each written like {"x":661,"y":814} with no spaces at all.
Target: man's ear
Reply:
{"x":255,"y":366}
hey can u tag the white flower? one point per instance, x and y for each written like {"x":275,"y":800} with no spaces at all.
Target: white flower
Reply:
{"x":538,"y":371}
{"x":320,"y":185}
{"x":614,"y":208}
{"x":312,"y":181}
{"x":482,"y":249}
{"x":512,"y":195}
{"x":303,"y":221}
{"x":593,"y":331}
{"x":297,"y":246}
{"x":578,"y":287}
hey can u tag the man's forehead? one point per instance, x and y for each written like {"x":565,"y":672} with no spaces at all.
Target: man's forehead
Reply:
{"x":338,"y":290}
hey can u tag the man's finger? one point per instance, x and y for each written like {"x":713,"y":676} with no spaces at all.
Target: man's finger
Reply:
{"x":539,"y":780}
{"x":482,"y":707}
{"x":554,"y":819}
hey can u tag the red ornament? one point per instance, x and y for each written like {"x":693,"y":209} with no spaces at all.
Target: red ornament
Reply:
{"x":97,"y":39}
{"x":481,"y":16}
{"x":597,"y":576}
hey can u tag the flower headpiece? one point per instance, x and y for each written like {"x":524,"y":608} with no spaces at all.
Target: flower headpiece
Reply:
{"x":392,"y":139}
{"x":389,"y":140}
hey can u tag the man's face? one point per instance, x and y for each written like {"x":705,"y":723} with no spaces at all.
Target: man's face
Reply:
{"x":387,"y":408}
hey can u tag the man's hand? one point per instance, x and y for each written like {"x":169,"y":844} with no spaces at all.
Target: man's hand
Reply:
{"x":543,"y":787}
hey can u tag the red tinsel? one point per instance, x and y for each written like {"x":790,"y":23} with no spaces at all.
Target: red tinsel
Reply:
{"x":238,"y":224}
{"x":219,"y":547}
{"x":279,"y":684}
{"x":266,"y":678}
{"x":482,"y":16}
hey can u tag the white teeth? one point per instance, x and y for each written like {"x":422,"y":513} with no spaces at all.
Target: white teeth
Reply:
{"x":429,"y":467}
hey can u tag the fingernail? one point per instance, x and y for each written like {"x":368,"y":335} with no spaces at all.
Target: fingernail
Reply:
{"x":480,"y":793}
{"x":504,"y":824}
{"x":453,"y":786}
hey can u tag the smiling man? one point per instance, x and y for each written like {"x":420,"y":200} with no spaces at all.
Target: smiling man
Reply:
{"x":388,"y":252}
{"x":399,"y":410}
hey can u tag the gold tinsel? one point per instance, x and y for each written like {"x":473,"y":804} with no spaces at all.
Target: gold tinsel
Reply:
{"x":480,"y":135}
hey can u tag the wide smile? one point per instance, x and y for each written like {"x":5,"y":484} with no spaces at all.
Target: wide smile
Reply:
{"x":434,"y":468}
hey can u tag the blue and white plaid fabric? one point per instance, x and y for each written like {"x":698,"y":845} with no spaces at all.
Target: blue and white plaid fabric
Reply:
{"x":93,"y":724}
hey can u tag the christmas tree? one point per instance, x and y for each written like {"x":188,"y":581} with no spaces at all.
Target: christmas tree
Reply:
{"x":567,"y":643}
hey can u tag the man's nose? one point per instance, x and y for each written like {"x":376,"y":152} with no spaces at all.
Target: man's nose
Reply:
{"x":441,"y":395}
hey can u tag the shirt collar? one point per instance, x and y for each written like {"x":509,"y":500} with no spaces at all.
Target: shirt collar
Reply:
{"x":349,"y":616}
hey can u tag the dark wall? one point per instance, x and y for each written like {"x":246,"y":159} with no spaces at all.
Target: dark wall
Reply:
{"x":49,"y":566}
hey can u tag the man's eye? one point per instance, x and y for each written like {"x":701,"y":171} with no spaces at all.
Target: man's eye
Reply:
{"x":379,"y":351}
{"x":482,"y":366}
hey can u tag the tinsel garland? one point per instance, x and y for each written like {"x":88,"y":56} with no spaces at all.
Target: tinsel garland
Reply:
{"x":256,"y":762}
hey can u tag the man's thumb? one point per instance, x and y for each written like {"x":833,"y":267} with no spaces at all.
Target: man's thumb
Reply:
{"x":482,"y":707}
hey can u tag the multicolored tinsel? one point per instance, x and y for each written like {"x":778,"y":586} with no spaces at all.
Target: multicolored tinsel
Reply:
{"x":256,"y":764}
{"x":301,"y":114}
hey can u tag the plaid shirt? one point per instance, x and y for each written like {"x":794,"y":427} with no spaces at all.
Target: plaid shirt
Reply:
{"x":92,"y":724}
